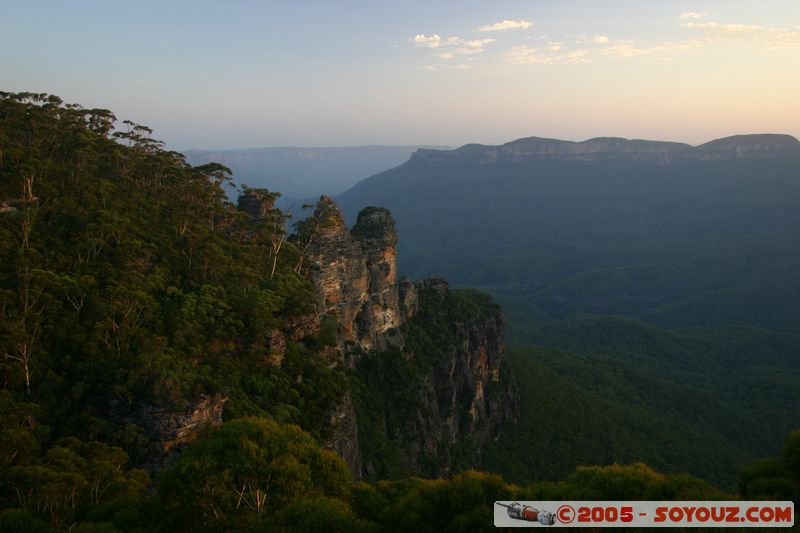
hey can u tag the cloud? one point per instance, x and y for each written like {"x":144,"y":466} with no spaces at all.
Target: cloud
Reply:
{"x":506,"y":25}
{"x":627,"y":48}
{"x":762,"y":36}
{"x":528,"y":55}
{"x":618,"y":49}
{"x":692,"y":15}
{"x":589,"y":49}
{"x":429,"y":67}
{"x":451,"y":47}
{"x":479,"y":43}
{"x":431,"y":41}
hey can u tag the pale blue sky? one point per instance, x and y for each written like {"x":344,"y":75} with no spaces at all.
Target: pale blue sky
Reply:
{"x":242,"y":74}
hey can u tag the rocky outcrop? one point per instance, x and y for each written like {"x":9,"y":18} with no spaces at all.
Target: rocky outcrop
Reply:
{"x":275,"y":348}
{"x":462,"y":392}
{"x":355,"y":276}
{"x":473,"y":365}
{"x":171,"y":429}
{"x":344,"y":441}
{"x":615,"y":148}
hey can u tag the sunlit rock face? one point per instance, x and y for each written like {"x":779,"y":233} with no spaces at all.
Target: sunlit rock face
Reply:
{"x":355,"y":276}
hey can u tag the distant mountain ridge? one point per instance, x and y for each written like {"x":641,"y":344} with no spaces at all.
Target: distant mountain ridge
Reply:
{"x":616,"y":148}
{"x":306,"y":172}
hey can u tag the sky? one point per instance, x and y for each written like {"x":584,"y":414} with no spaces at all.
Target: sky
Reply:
{"x":237,"y":74}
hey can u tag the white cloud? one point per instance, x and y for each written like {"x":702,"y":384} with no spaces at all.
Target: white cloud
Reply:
{"x":618,"y":49}
{"x":600,"y":39}
{"x":429,"y":67}
{"x":762,"y":36}
{"x":451,"y":47}
{"x":626,"y":48}
{"x":554,"y":46}
{"x":474,"y":46}
{"x":479,"y":43}
{"x":692,"y":15}
{"x":528,"y":55}
{"x":577,"y":56}
{"x":506,"y":25}
{"x":431,"y":41}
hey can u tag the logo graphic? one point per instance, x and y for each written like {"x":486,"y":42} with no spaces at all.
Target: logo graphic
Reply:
{"x":565,"y":514}
{"x":635,"y":514}
{"x":527,"y":513}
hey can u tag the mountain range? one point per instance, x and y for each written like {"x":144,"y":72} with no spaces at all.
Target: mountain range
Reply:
{"x":302,"y":172}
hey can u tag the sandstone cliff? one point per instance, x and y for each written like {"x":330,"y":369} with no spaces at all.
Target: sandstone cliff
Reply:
{"x":455,"y":383}
{"x":355,"y":276}
{"x":432,"y":408}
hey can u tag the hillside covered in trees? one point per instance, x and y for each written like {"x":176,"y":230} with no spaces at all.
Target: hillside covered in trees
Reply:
{"x":656,"y":281}
{"x":171,"y":361}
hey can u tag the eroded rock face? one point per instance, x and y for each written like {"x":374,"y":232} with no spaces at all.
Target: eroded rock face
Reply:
{"x":171,"y":428}
{"x":344,"y":441}
{"x":355,"y":276}
{"x":462,"y":400}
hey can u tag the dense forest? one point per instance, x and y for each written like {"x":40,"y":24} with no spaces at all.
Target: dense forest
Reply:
{"x":131,"y":285}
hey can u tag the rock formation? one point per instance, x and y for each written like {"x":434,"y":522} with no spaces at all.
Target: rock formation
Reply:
{"x":354,"y":273}
{"x":171,"y":429}
{"x":355,"y":276}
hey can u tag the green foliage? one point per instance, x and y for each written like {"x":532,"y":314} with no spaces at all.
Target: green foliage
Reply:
{"x":393,"y":389}
{"x":126,"y":274}
{"x":66,"y":482}
{"x":679,"y":400}
{"x":245,"y":472}
{"x":386,"y":397}
{"x":775,"y":478}
{"x":128,"y":278}
{"x":565,"y":424}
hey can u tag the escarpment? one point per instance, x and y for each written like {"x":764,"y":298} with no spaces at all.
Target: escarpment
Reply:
{"x":455,"y":392}
{"x":431,"y":408}
{"x":737,"y":147}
